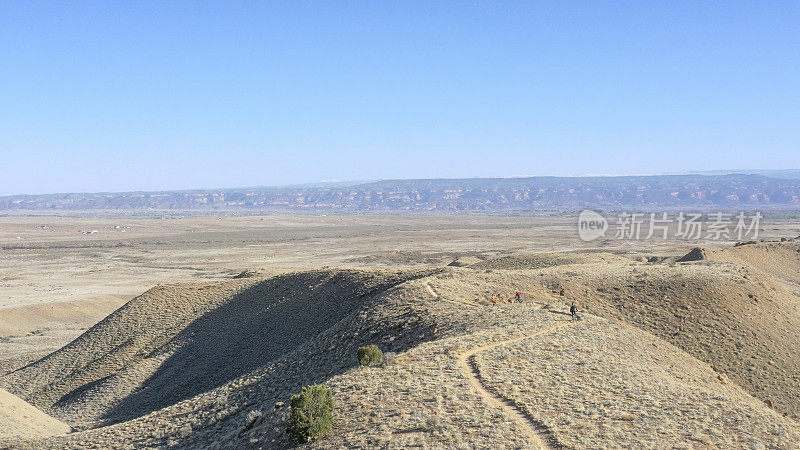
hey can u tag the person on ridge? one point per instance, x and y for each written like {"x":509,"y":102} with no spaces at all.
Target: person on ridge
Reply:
{"x":517,"y":296}
{"x":573,"y":311}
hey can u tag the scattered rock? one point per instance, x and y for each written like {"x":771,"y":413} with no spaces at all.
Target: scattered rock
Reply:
{"x":185,"y":431}
{"x":247,"y":274}
{"x":253,"y":417}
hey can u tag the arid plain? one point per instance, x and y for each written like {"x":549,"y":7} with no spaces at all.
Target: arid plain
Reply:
{"x":693,"y":353}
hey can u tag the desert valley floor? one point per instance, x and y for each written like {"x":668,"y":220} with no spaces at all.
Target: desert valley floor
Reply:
{"x":194,"y":332}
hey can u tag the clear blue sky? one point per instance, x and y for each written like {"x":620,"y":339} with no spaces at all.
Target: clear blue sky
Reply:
{"x":111,"y":96}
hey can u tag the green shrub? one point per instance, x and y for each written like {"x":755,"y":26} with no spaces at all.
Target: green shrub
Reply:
{"x":369,"y":355}
{"x":311,"y":415}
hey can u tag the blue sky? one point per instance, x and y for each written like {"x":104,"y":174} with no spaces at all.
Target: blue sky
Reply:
{"x":114,"y":96}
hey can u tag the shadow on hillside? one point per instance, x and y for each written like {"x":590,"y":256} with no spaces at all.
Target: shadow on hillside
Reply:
{"x":254,"y":327}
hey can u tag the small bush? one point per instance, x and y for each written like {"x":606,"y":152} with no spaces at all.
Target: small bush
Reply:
{"x":311,"y":415}
{"x":369,"y":355}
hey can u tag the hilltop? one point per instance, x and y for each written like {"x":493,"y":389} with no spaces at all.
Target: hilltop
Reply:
{"x":667,"y":354}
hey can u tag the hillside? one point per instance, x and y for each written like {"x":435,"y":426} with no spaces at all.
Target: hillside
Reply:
{"x":18,"y":418}
{"x":174,"y":342}
{"x":724,"y":311}
{"x":667,"y":354}
{"x":473,"y":194}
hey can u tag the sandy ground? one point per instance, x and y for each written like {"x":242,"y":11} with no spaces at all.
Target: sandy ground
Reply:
{"x":49,"y":259}
{"x":21,"y":419}
{"x":61,"y":275}
{"x":83,"y":268}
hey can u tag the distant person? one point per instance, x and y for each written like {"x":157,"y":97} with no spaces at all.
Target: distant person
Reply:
{"x":517,"y":296}
{"x":573,"y":311}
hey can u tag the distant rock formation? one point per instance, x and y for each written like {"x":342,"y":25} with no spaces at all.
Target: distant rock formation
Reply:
{"x":695,"y":254}
{"x":450,"y":195}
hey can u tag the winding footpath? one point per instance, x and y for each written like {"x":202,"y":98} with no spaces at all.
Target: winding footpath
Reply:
{"x":539,"y":435}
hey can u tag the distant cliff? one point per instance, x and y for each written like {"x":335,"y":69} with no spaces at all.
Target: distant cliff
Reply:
{"x":452,"y":195}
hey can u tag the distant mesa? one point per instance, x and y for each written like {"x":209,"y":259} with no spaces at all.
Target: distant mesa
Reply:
{"x":734,"y":191}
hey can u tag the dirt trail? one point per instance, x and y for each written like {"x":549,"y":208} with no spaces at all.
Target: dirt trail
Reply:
{"x":540,"y":435}
{"x":436,"y":295}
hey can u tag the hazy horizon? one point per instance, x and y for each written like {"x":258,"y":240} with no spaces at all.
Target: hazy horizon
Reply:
{"x":771,"y":173}
{"x":118,"y":97}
